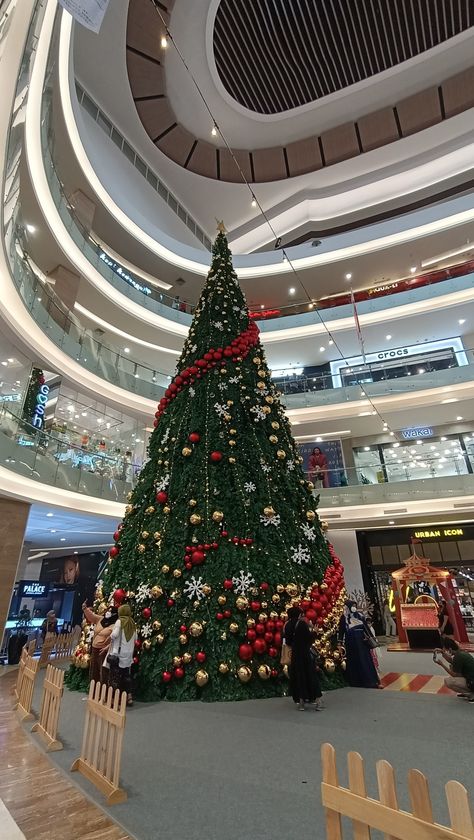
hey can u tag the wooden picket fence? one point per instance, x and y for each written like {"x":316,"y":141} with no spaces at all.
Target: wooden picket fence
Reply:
{"x":47,"y":725}
{"x":46,"y":649}
{"x":65,"y":646}
{"x":101,"y":751}
{"x":25,"y":696}
{"x":384,"y":814}
{"x":19,"y":679}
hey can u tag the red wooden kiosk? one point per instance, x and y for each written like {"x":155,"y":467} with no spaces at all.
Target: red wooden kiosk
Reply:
{"x":417,"y":623}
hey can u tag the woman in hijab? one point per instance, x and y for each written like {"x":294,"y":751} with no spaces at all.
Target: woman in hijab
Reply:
{"x":304,"y":682}
{"x":355,"y":634}
{"x":103,"y":626}
{"x":122,"y":643}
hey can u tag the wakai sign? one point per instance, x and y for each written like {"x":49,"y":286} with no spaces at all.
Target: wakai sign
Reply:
{"x":416,"y":432}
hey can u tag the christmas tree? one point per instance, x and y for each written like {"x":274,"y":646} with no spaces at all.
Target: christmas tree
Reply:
{"x":221,"y":533}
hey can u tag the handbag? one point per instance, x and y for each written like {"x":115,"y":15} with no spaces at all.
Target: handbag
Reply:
{"x":285,"y":658}
{"x":113,"y":659}
{"x":371,"y":641}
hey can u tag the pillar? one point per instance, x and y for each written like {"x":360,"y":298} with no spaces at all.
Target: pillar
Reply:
{"x":13,"y":520}
{"x":84,"y":209}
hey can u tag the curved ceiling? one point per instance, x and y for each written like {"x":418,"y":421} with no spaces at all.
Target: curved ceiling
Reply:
{"x":273,"y":56}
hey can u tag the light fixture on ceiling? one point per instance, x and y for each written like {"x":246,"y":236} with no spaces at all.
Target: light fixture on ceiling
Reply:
{"x":310,"y":305}
{"x":318,"y":439}
{"x":62,"y":539}
{"x":413,"y":269}
{"x":444,"y":438}
{"x":348,"y":276}
{"x":254,"y":201}
{"x":53,"y":530}
{"x":396,"y":444}
{"x":419,"y":442}
{"x":164,"y":42}
{"x":459,"y":417}
{"x":366,"y":448}
{"x":31,"y":228}
{"x":10,"y":361}
{"x":50,"y":514}
{"x":4,"y":364}
{"x":84,"y":414}
{"x":285,"y":258}
{"x":392,"y":434}
{"x":214,"y":130}
{"x":291,"y":290}
{"x":126,"y":349}
{"x":322,"y":349}
{"x":262,"y":306}
{"x":449,"y":400}
{"x":461,"y":321}
{"x":330,"y":342}
{"x":388,"y":337}
{"x":391,"y":522}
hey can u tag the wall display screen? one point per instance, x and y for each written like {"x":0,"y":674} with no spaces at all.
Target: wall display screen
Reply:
{"x":323,"y":462}
{"x":79,"y":572}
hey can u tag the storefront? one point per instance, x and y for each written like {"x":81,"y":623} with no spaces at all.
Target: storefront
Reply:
{"x":423,"y":455}
{"x":449,"y":546}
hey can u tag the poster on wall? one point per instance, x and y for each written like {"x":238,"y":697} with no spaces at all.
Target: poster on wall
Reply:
{"x":80,"y":571}
{"x":323,"y":463}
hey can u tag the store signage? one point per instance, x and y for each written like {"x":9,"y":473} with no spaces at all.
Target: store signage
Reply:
{"x":414,"y":432}
{"x":7,"y":398}
{"x":118,"y":269}
{"x":439,"y":532}
{"x":33,"y":589}
{"x":41,"y":399}
{"x":387,"y":287}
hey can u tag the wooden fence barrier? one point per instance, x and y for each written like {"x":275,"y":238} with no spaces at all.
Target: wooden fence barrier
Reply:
{"x":31,"y":647}
{"x":47,"y":725}
{"x":19,"y":679}
{"x":384,"y":815}
{"x":46,"y":649}
{"x":101,"y":751}
{"x":25,"y":697}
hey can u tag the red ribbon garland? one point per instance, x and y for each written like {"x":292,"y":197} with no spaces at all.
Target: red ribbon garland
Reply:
{"x":238,"y":349}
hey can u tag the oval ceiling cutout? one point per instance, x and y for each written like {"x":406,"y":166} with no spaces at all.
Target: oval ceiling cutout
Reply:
{"x":276,"y":55}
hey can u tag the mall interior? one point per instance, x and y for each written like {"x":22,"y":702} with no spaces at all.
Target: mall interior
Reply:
{"x":330,"y":144}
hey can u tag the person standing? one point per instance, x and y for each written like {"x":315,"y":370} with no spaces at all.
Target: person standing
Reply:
{"x":103,"y":626}
{"x":122,"y":644}
{"x":304,"y":682}
{"x":318,"y":468}
{"x":390,"y":626}
{"x":444,"y":621}
{"x":459,"y":667}
{"x":49,"y":625}
{"x":356,"y":636}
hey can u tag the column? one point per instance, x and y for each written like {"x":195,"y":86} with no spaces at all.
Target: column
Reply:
{"x":13,"y":520}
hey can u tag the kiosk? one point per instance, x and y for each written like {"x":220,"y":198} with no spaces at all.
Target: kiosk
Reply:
{"x":417,"y":623}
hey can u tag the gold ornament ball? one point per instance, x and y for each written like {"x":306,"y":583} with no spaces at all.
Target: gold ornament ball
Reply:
{"x":263,"y":617}
{"x":280,"y":587}
{"x":343,"y":664}
{"x":275,"y":425}
{"x":266,"y":409}
{"x":256,"y":360}
{"x":310,"y":515}
{"x":157,"y":535}
{"x":232,"y":431}
{"x":273,"y":439}
{"x":231,"y":460}
{"x":156,"y":625}
{"x":187,"y":658}
{"x":166,"y":510}
{"x":156,"y":591}
{"x":177,"y":573}
{"x":244,"y":673}
{"x":217,"y":516}
{"x":230,"y":402}
{"x":241,"y":603}
{"x":145,"y":534}
{"x":292,"y":590}
{"x":195,"y":519}
{"x":206,"y":589}
{"x":281,"y":454}
{"x":202,"y":677}
{"x":196,"y":628}
{"x":160,"y":638}
{"x":165,"y":569}
{"x":262,"y":373}
{"x":264,"y":605}
{"x":186,"y":451}
{"x":234,"y":627}
{"x":329,"y":666}
{"x":336,"y":656}
{"x":227,"y":417}
{"x":183,"y":639}
{"x":149,"y":509}
{"x":224,"y":636}
{"x":177,"y":660}
{"x":264,"y":672}
{"x":261,"y":385}
{"x":269,"y":399}
{"x":232,"y":443}
{"x":223,"y":668}
{"x":222,"y":600}
{"x":275,"y":598}
{"x":323,"y":586}
{"x":192,"y":503}
{"x":251,"y":622}
{"x":140,"y":548}
{"x":273,"y":615}
{"x":310,"y":485}
{"x":269,"y":511}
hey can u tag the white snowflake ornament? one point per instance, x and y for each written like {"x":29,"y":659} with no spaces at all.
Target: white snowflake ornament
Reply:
{"x":146,"y":630}
{"x":142,"y":593}
{"x":249,"y":487}
{"x":309,"y":532}
{"x":300,"y":554}
{"x":243,"y":582}
{"x":194,"y":588}
{"x":271,"y":520}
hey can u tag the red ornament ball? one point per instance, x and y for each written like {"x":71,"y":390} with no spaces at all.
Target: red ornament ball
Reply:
{"x":135,"y":660}
{"x":166,"y":676}
{"x":179,"y":673}
{"x":251,"y":634}
{"x":274,"y":673}
{"x":227,"y":613}
{"x":116,"y":535}
{"x":114,"y":550}
{"x":228,"y":584}
{"x":194,"y":437}
{"x":200,"y":656}
{"x":268,"y":637}
{"x":162,"y":497}
{"x":119,"y":597}
{"x":146,"y":612}
{"x":260,"y":629}
{"x":219,"y":616}
{"x":216,"y":457}
{"x":170,"y":602}
{"x":255,"y":606}
{"x":264,"y":585}
{"x":183,"y":629}
{"x":273,"y":652}
{"x":245,"y":652}
{"x":197,"y":557}
{"x":259,"y":646}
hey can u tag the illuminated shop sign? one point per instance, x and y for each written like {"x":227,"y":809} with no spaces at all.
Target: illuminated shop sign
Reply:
{"x":414,"y":432}
{"x":41,"y":399}
{"x":33,"y":589}
{"x":436,"y":533}
{"x":118,"y":269}
{"x":8,"y":398}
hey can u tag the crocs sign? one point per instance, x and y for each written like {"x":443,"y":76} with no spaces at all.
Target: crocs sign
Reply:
{"x":41,"y":399}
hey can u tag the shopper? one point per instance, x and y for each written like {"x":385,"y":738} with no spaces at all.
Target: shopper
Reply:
{"x":120,"y":656}
{"x":304,"y":680}
{"x":318,"y":468}
{"x":444,"y":621}
{"x":460,"y":667}
{"x":356,"y":636}
{"x":103,"y":626}
{"x":49,"y":625}
{"x":390,"y":626}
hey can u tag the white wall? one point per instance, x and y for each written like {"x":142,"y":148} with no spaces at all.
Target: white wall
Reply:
{"x":345,"y":546}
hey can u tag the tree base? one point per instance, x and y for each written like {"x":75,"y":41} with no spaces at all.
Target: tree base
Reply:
{"x":77,"y":679}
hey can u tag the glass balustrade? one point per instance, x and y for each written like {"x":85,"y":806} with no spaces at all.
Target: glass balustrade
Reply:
{"x":46,"y":458}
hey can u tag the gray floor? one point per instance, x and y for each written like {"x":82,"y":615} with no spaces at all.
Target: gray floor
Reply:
{"x":232,"y":771}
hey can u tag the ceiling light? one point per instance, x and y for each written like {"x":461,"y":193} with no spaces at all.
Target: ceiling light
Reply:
{"x":444,"y":438}
{"x":99,"y":420}
{"x":388,"y":337}
{"x":366,"y":448}
{"x":331,"y":342}
{"x":311,"y":306}
{"x":419,"y":442}
{"x":285,"y":258}
{"x":318,"y":439}
{"x":396,"y":444}
{"x":291,"y":290}
{"x":31,"y":228}
{"x":214,"y":130}
{"x":50,"y":514}
{"x":62,"y":539}
{"x":164,"y":42}
{"x":452,"y":399}
{"x":461,"y":321}
{"x":84,"y":414}
{"x":421,"y":370}
{"x":4,"y":364}
{"x":433,"y":448}
{"x":10,"y":361}
{"x":392,"y":434}
{"x":262,"y":306}
{"x":322,"y":349}
{"x":70,"y":408}
{"x":348,"y":276}
{"x":459,"y":417}
{"x":53,"y":530}
{"x":391,"y":522}
{"x":254,"y":202}
{"x":413,"y":269}
{"x":126,"y":349}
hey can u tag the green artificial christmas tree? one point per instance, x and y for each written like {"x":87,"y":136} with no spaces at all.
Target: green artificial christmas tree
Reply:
{"x":221,"y":533}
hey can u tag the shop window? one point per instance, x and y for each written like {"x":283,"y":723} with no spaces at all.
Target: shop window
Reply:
{"x":404,"y":551}
{"x":449,"y":552}
{"x":433,"y":552}
{"x":376,"y":555}
{"x":390,"y":555}
{"x":466,"y":550}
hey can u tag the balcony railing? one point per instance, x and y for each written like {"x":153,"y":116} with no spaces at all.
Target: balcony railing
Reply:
{"x":421,"y":489}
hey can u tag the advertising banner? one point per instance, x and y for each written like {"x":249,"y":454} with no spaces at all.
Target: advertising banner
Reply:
{"x":88,"y":12}
{"x":323,"y":463}
{"x":78,"y":571}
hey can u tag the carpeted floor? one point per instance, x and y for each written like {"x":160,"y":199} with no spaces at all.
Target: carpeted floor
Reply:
{"x":198,"y":771}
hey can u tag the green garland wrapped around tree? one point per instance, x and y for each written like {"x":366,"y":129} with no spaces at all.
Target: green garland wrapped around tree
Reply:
{"x":221,"y":532}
